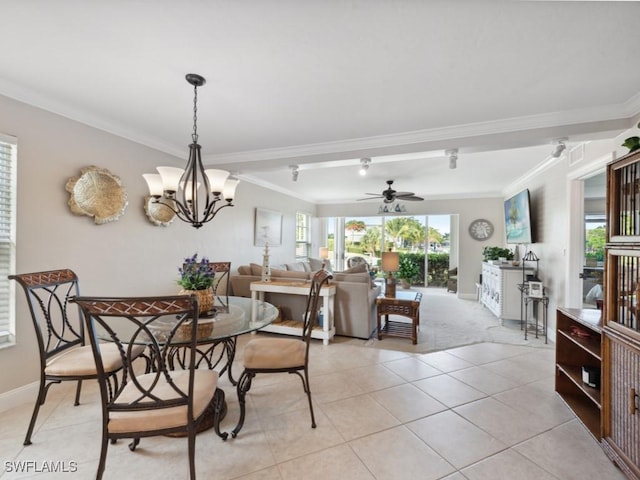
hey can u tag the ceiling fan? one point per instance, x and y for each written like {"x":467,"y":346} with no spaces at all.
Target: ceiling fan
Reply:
{"x":389,"y":195}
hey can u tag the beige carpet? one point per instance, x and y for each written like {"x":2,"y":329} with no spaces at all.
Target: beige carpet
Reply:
{"x":447,"y":322}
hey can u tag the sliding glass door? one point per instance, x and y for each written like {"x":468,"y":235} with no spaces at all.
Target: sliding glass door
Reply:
{"x":425,"y":240}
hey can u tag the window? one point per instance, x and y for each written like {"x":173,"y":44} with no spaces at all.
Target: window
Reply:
{"x":8,"y":148}
{"x":303,"y":236}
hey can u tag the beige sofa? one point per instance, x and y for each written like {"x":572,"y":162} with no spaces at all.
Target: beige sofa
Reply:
{"x":355,"y":301}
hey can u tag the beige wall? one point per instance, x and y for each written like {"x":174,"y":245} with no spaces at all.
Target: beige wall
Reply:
{"x":128,"y":257}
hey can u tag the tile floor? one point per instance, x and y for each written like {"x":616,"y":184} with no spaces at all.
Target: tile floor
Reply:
{"x":483,"y":411}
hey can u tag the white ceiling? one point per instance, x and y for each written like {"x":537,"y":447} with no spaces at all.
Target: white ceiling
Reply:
{"x":322,"y":84}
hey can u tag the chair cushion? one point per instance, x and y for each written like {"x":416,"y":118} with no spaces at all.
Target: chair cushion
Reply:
{"x":274,"y":353}
{"x":79,"y":361}
{"x":205,"y":383}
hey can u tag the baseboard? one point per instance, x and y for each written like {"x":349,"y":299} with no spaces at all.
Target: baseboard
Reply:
{"x":19,"y":396}
{"x":467,"y":296}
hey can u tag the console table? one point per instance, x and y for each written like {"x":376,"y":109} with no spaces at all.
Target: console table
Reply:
{"x":406,"y":304}
{"x":294,"y":327}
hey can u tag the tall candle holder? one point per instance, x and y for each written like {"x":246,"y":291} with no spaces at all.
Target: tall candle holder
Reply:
{"x":266,"y":269}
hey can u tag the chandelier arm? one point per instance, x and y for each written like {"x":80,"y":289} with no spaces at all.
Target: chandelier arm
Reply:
{"x":181,"y":212}
{"x":213,"y":213}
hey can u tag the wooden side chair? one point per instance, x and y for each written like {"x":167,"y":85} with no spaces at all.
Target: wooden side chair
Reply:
{"x":163,"y":401}
{"x":63,"y":355}
{"x":290,"y":355}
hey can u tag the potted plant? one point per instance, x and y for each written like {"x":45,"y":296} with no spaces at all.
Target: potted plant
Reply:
{"x":632,"y":143}
{"x":198,"y":277}
{"x":496,"y":253}
{"x":407,"y":271}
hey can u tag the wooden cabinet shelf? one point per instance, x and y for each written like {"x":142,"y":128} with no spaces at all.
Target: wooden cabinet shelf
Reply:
{"x":574,"y":351}
{"x":574,"y":374}
{"x":593,"y":346}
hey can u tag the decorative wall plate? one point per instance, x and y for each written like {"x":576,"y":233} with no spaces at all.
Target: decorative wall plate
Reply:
{"x":97,"y":193}
{"x":481,"y":229}
{"x":158,"y":213}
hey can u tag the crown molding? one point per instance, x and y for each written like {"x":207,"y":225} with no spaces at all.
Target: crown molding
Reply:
{"x":404,"y":142}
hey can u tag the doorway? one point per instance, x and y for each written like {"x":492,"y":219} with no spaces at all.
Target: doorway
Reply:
{"x":595,"y":222}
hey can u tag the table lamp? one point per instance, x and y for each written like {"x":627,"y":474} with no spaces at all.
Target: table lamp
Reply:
{"x":390,"y":264}
{"x":324,"y":255}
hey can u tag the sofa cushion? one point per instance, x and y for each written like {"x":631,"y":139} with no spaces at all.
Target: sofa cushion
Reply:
{"x":276,"y":272}
{"x":362,"y":277}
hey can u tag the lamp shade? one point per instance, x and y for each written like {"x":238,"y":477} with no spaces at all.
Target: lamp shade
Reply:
{"x":170,"y":177}
{"x":216,"y":179}
{"x":324,"y":253}
{"x":390,"y":261}
{"x":154,"y":182}
{"x":229,"y":190}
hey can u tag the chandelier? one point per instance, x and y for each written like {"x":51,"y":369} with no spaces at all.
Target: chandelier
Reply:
{"x":194,"y":194}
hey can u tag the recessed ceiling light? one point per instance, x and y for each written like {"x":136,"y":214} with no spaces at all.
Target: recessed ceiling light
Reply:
{"x":364,"y":165}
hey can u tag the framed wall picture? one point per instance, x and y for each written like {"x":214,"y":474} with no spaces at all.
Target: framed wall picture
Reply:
{"x":536,"y":290}
{"x":268,"y":226}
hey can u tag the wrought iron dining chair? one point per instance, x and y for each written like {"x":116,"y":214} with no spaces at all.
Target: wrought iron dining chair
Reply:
{"x":289,"y":355}
{"x":221,"y":286}
{"x":162,"y":401}
{"x":63,"y":352}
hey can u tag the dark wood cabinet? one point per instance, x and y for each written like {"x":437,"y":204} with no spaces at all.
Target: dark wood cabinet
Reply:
{"x":578,"y":345}
{"x":621,"y":326}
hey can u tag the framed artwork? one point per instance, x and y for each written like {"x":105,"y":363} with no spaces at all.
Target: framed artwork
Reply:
{"x":268,"y":226}
{"x":536,"y":290}
{"x":517,"y":218}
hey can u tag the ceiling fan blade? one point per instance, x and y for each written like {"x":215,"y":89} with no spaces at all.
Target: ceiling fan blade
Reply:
{"x":412,"y":198}
{"x":404,"y":194}
{"x":370,"y":198}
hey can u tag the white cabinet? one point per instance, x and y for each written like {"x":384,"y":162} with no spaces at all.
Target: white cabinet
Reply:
{"x":500,"y":292}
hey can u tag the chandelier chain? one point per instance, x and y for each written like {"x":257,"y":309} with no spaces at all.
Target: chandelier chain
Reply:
{"x":194,"y":135}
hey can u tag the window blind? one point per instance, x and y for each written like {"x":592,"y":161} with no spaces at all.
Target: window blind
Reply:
{"x":8,"y":182}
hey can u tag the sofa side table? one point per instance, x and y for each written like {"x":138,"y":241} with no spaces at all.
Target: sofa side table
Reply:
{"x":294,"y":327}
{"x":405,"y":304}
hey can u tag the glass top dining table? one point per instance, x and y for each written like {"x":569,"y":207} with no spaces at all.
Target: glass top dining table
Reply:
{"x":233,"y":316}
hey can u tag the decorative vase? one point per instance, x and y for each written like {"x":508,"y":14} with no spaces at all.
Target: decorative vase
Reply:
{"x":205,"y":298}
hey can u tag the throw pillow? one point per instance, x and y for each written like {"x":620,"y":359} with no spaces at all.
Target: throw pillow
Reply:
{"x":315,"y":264}
{"x":256,"y":269}
{"x":362,"y":267}
{"x":296,"y":267}
{"x":244,"y":270}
